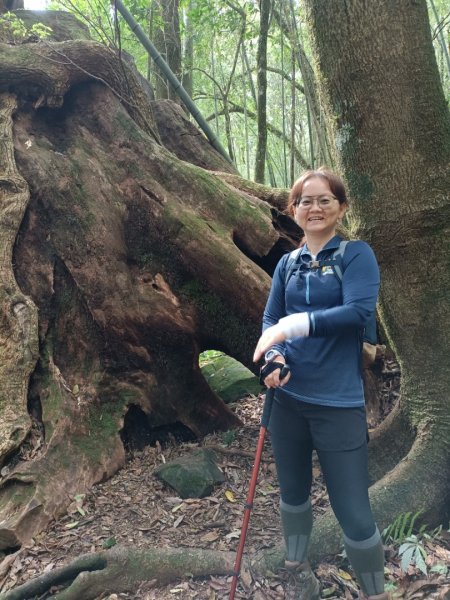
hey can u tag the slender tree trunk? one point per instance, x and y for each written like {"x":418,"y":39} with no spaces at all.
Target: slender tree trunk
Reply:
{"x":188,"y":54}
{"x":168,"y":42}
{"x":261,"y":60}
{"x":150,"y":35}
{"x":299,"y":158}
{"x":293,"y":105}
{"x":441,"y":38}
{"x":287,"y":21}
{"x":213,"y":69}
{"x":250,"y":78}
{"x":283,"y":115}
{"x":244,"y":102}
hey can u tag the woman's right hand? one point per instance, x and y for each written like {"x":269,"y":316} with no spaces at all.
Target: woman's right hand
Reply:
{"x":273,"y":379}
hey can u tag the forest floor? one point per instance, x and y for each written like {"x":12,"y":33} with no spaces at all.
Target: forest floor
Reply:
{"x":134,"y":508}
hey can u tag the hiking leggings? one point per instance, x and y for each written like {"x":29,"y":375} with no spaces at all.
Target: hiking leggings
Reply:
{"x":345,"y":473}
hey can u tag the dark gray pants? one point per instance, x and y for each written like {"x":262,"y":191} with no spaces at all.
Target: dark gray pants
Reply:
{"x":339,"y":437}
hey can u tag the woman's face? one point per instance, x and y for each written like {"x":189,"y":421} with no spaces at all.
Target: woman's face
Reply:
{"x":314,"y":218}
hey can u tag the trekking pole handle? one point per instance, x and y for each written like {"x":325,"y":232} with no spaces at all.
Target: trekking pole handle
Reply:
{"x":270,"y":393}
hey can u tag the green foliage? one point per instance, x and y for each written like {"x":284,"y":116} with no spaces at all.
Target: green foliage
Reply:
{"x":390,"y":586}
{"x":208,"y":355}
{"x":94,"y":13}
{"x":223,"y":83}
{"x":14,"y":31}
{"x":228,"y":437}
{"x":440,"y":569}
{"x":41,"y":31}
{"x":412,"y":551}
{"x":412,"y":541}
{"x":402,"y":528}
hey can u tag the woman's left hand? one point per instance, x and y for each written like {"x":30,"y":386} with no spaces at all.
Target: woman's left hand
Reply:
{"x":272,"y":335}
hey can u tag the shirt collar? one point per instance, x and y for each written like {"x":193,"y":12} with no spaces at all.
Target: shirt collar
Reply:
{"x":332,"y":244}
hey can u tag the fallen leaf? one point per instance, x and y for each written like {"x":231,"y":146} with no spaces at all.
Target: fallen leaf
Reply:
{"x":212,"y":536}
{"x":345,"y":575}
{"x":178,"y":521}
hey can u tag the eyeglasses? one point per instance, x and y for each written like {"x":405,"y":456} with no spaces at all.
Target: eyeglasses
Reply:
{"x":307,"y":202}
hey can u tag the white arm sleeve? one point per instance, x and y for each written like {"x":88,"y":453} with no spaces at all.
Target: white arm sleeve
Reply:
{"x":296,"y":325}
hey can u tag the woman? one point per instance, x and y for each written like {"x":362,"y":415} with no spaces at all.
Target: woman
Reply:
{"x":314,"y":321}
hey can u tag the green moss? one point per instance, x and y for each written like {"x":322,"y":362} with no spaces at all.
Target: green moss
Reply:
{"x":229,"y":379}
{"x":219,"y":319}
{"x":103,"y":423}
{"x":232,"y":208}
{"x":123,"y":121}
{"x":17,"y":494}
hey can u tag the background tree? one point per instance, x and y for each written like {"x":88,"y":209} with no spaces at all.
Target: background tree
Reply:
{"x":261,"y":65}
{"x":210,"y":33}
{"x":391,"y":129}
{"x":167,"y":39}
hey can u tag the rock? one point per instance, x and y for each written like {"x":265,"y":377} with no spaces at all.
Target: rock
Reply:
{"x":229,"y":379}
{"x":192,"y":476}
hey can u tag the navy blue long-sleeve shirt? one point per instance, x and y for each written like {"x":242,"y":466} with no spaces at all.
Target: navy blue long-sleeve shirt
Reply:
{"x":326,"y":366}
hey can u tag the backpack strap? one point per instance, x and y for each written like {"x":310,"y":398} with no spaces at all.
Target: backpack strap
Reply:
{"x":334,"y":261}
{"x":337,"y":258}
{"x":370,"y":330}
{"x":291,"y":264}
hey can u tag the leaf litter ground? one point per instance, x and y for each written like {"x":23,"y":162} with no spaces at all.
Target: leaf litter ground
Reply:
{"x":134,"y":508}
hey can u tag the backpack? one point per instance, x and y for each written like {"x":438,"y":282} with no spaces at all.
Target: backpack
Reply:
{"x":335,"y":262}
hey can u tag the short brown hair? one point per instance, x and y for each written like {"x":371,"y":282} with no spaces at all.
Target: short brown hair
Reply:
{"x":336,"y":184}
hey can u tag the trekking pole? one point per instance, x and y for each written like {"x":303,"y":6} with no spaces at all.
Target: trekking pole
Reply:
{"x":251,"y":492}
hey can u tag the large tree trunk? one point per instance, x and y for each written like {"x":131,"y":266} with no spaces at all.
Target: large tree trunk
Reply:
{"x":128,"y":261}
{"x":392,"y":132}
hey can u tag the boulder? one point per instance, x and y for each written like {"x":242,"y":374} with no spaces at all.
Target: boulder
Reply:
{"x":193,"y":475}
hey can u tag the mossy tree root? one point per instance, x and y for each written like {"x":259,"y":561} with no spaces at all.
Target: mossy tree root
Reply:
{"x":123,"y":570}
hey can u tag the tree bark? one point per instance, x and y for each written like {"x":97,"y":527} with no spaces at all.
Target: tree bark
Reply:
{"x":18,"y":313}
{"x":168,"y":43}
{"x":261,"y":61}
{"x":392,"y":133}
{"x":188,"y":54}
{"x":128,"y":262}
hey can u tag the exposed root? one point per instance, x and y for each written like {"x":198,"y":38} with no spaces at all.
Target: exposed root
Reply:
{"x":122,"y":570}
